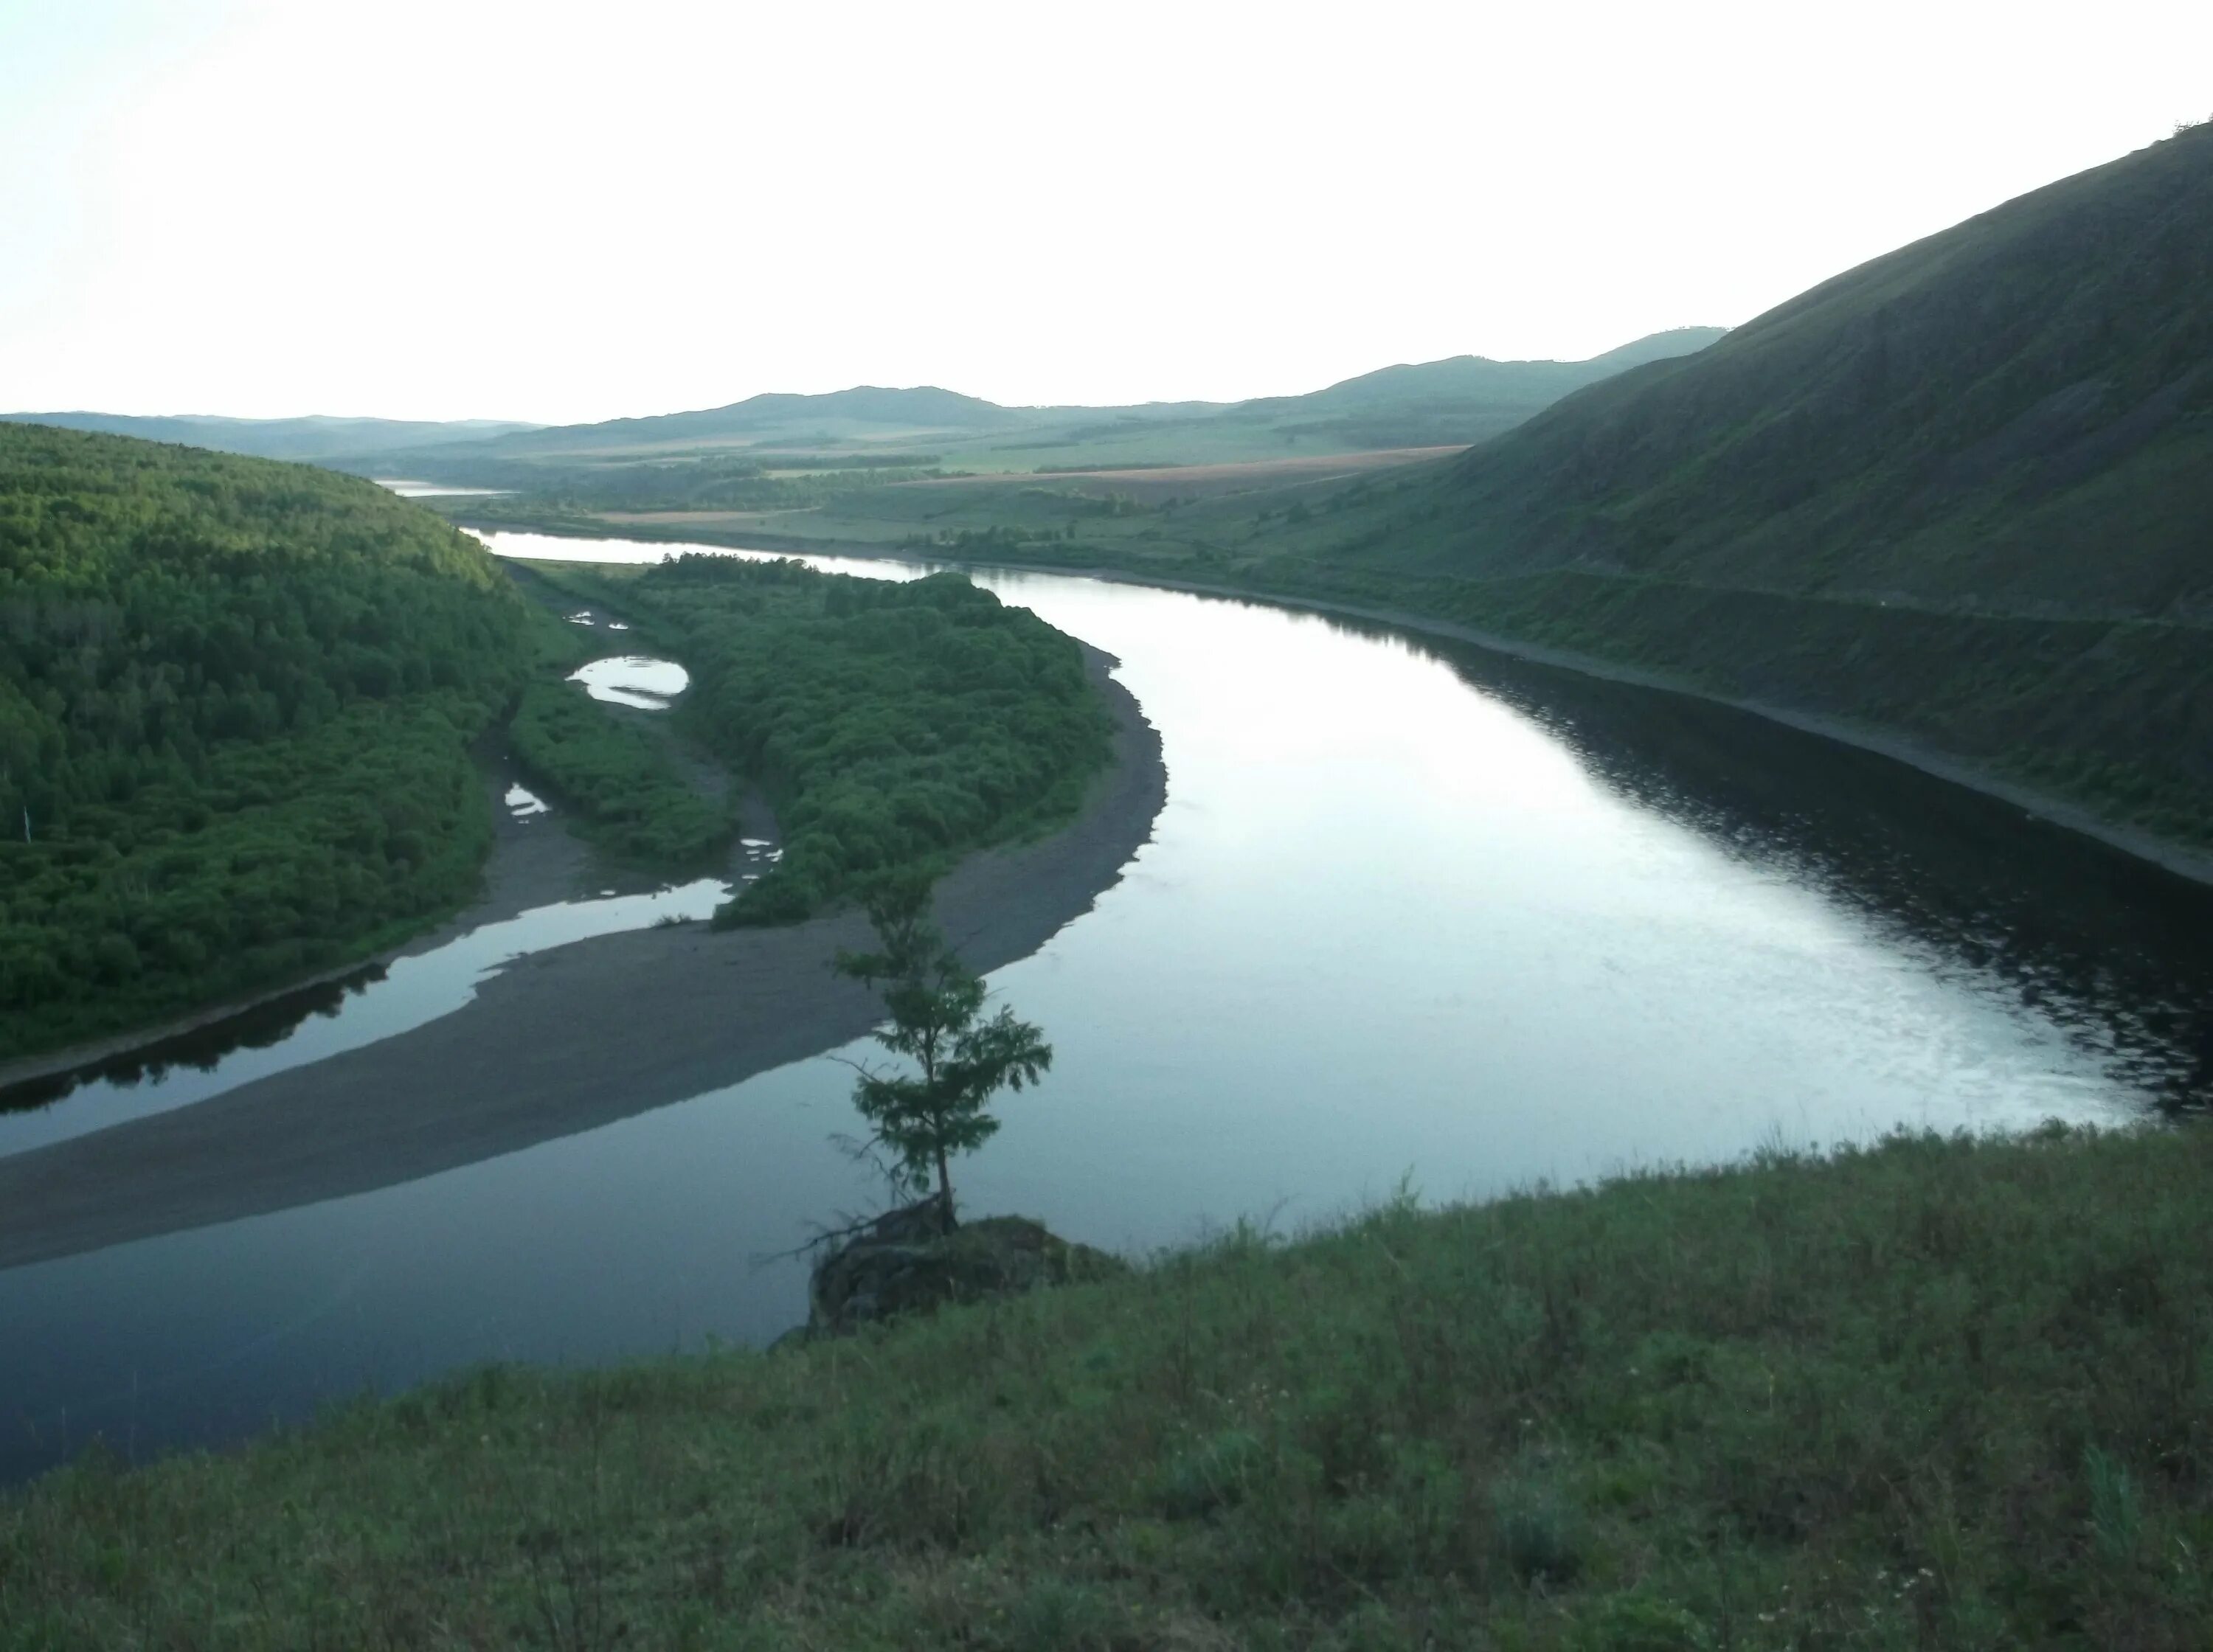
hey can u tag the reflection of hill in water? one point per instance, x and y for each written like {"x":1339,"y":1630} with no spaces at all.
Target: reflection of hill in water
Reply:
{"x":2115,"y":952}
{"x":265,"y":1024}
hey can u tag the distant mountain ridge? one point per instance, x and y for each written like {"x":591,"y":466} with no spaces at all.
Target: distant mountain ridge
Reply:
{"x":1478,"y":376}
{"x":1465,"y":399}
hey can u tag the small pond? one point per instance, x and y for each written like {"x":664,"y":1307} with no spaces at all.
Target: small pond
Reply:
{"x":633,"y":680}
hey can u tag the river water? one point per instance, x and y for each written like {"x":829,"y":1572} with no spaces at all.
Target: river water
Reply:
{"x":1413,"y":916}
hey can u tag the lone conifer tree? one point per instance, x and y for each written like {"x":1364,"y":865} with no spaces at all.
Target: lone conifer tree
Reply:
{"x":935,"y":1005}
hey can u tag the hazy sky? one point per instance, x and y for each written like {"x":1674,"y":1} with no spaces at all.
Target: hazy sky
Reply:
{"x":554,"y":212}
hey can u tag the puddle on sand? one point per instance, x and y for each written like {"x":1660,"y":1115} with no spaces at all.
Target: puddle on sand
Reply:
{"x":633,"y":680}
{"x":329,"y":1020}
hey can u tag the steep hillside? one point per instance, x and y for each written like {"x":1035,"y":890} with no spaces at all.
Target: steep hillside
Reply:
{"x":235,"y":702}
{"x":2014,"y":416}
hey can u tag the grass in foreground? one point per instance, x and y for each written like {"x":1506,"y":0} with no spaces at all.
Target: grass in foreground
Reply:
{"x":1939,"y":1393}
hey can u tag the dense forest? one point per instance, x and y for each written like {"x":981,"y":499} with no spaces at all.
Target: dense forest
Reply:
{"x":236,"y":700}
{"x":891,"y":725}
{"x":619,"y":782}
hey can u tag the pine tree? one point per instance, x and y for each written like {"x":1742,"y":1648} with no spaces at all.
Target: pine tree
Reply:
{"x":936,"y":1007}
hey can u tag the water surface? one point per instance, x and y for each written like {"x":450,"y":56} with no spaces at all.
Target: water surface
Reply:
{"x":357,"y":1009}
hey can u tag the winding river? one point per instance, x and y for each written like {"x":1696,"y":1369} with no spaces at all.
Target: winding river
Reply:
{"x":1412,"y":915}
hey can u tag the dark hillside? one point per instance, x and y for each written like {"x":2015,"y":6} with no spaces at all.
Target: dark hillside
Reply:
{"x":2013,"y":415}
{"x":235,"y":702}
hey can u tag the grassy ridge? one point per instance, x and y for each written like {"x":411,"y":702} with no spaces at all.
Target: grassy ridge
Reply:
{"x":1939,"y":1393}
{"x":236,"y":700}
{"x":890,"y":725}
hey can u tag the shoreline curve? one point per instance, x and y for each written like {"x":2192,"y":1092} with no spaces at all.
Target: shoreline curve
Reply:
{"x":2167,"y":856}
{"x":560,"y":1042}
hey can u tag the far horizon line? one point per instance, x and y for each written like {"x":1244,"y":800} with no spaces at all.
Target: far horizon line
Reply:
{"x":34,"y":415}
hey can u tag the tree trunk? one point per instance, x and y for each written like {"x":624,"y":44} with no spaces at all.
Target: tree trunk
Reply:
{"x":944,"y":1190}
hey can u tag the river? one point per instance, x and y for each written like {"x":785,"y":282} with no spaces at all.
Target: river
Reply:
{"x":1412,"y":917}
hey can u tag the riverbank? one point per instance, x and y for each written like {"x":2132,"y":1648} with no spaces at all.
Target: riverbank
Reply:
{"x":527,"y":866}
{"x":2181,"y":859}
{"x":1943,"y":1393}
{"x":561,"y":1041}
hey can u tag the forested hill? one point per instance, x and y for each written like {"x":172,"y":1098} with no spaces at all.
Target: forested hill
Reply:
{"x":2015,"y":415}
{"x":236,"y":701}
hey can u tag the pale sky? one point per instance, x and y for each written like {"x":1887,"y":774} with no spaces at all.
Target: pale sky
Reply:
{"x":559,"y":212}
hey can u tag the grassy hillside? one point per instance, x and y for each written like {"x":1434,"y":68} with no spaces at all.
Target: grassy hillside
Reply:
{"x":1938,"y":1394}
{"x":890,"y":725}
{"x":235,"y":704}
{"x":2015,"y":415}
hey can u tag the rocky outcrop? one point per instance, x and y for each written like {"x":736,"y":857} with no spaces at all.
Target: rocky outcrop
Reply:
{"x":907,"y":1262}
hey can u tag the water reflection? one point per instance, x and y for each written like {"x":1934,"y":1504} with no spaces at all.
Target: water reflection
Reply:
{"x":407,"y":488}
{"x":322,"y":1020}
{"x":2114,"y":953}
{"x":633,"y":680}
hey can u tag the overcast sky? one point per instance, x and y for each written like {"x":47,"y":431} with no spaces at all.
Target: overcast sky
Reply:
{"x":557,"y":212}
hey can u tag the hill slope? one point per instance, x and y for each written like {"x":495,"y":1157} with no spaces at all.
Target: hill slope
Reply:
{"x":235,"y":702}
{"x":2015,"y":415}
